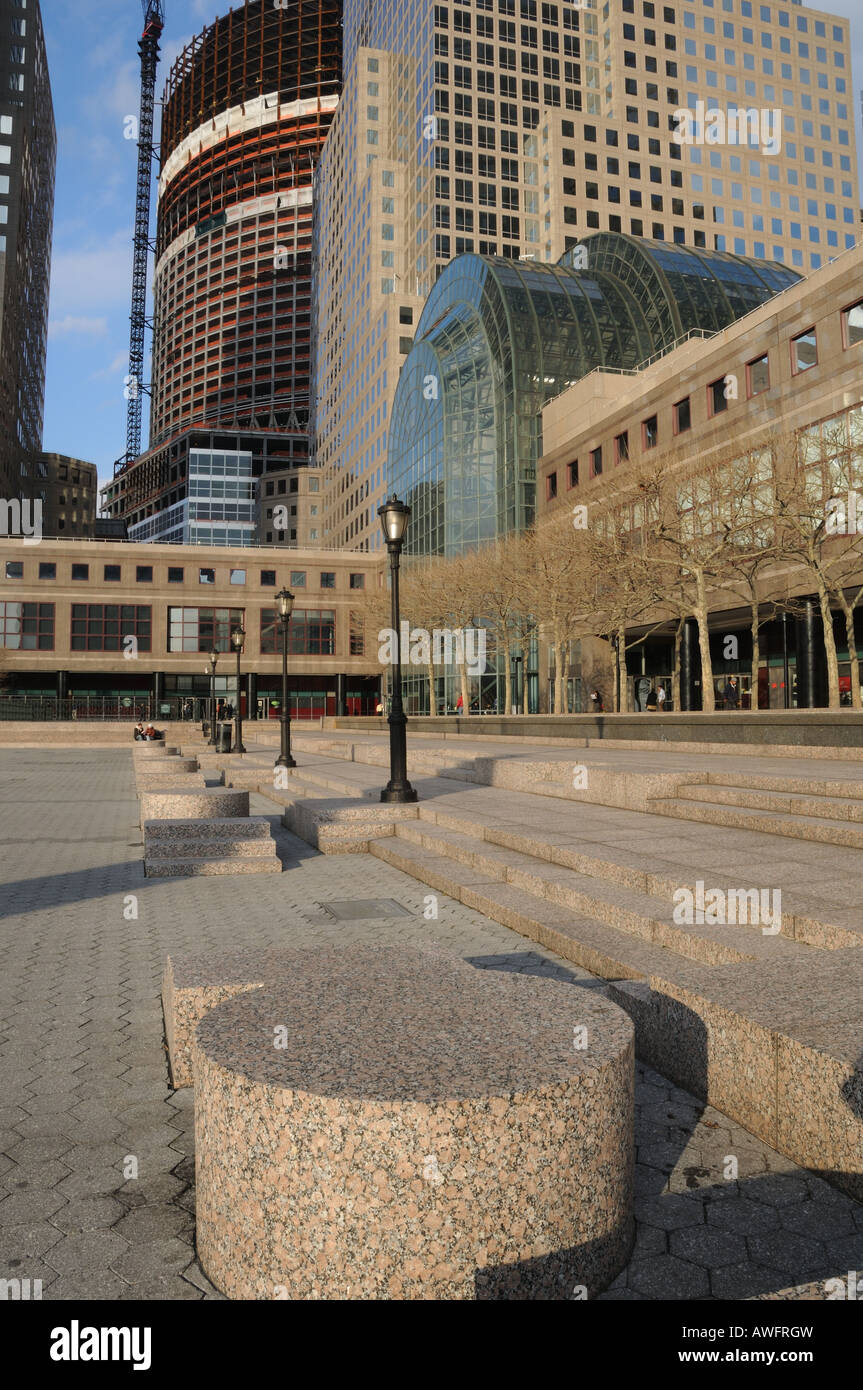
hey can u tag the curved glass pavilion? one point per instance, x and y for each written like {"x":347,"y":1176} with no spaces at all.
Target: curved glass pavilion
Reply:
{"x":498,"y":338}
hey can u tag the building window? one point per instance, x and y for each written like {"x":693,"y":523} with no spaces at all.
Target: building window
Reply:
{"x":358,"y":581}
{"x":206,"y":576}
{"x":27,"y":627}
{"x":81,"y":572}
{"x":101,"y":627}
{"x":238,"y":576}
{"x":852,"y":324}
{"x":757,"y":376}
{"x":175,"y":574}
{"x":298,"y":579}
{"x":113,"y":574}
{"x":328,"y":579}
{"x":621,"y":447}
{"x":572,"y":473}
{"x":649,"y":433}
{"x":312,"y":632}
{"x":268,"y":578}
{"x":596,"y":462}
{"x":717,"y":401}
{"x":682,"y":416}
{"x":804,"y":351}
{"x":202,"y":629}
{"x":551,"y":487}
{"x":47,"y":571}
{"x":143,"y":574}
{"x":14,"y":569}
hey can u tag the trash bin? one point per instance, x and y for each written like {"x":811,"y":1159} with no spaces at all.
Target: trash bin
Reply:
{"x":223,"y":735}
{"x":205,"y":728}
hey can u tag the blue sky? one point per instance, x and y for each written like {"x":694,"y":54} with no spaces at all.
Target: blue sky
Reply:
{"x":94,"y":66}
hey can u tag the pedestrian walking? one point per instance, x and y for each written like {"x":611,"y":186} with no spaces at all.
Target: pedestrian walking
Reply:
{"x":731,"y":693}
{"x":596,"y":702}
{"x":651,"y":701}
{"x":660,"y":698}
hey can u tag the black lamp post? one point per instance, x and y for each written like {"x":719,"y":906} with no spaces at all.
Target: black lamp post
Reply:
{"x":284,"y":609}
{"x":214,"y":657}
{"x":394,"y":517}
{"x":238,"y":637}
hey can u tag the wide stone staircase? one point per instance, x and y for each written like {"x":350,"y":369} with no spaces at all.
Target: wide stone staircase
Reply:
{"x":823,"y":811}
{"x":762,"y":1019}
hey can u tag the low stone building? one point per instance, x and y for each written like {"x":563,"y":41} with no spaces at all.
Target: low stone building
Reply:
{"x":120,"y":628}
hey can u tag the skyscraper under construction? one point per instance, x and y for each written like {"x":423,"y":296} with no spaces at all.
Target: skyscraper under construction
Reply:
{"x":247,"y":105}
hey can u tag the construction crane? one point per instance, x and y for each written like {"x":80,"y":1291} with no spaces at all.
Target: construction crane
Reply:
{"x":148,"y":48}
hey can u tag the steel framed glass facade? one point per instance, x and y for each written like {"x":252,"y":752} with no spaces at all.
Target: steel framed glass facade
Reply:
{"x":498,"y":339}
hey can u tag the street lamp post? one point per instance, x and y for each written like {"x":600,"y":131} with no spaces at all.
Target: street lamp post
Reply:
{"x":284,"y":609}
{"x":238,"y":637}
{"x":394,"y":517}
{"x":214,"y":657}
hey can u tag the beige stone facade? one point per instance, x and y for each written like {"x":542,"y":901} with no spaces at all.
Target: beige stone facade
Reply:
{"x":122,"y":620}
{"x":520,"y":127}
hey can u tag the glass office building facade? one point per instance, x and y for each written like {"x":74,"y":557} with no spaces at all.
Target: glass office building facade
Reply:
{"x":498,"y":339}
{"x":515,"y":128}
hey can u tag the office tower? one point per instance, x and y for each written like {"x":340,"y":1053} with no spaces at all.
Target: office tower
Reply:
{"x":28,"y":152}
{"x":513,"y":128}
{"x":247,"y":105}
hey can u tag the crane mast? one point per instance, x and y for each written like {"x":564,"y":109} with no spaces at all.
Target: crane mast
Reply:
{"x":148,"y":48}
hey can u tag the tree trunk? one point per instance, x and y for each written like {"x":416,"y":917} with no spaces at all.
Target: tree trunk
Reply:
{"x":465,"y":687}
{"x":525,"y":651}
{"x":622,"y":704}
{"x":756,"y":657}
{"x":708,"y":694}
{"x":854,"y":659}
{"x":432,"y":700}
{"x":507,"y":680}
{"x":829,"y":646}
{"x":560,"y":678}
{"x":675,"y":674}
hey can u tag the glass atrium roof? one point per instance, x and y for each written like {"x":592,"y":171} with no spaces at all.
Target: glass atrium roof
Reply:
{"x":497,"y":339}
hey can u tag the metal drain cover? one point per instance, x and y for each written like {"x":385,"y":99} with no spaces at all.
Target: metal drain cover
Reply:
{"x":354,"y":909}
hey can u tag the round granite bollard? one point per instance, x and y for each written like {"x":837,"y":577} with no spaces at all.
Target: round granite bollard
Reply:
{"x":199,"y":803}
{"x":154,"y":750}
{"x":389,"y":1123}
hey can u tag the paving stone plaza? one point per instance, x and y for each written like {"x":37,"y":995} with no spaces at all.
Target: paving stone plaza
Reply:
{"x":97,"y":1163}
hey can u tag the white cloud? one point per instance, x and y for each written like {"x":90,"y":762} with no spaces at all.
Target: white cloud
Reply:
{"x":119,"y":364}
{"x":92,"y":276}
{"x":77,"y":327}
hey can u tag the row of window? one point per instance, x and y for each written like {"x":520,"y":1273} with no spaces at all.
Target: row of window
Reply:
{"x":113,"y":574}
{"x":804,"y":355}
{"x":107,"y":627}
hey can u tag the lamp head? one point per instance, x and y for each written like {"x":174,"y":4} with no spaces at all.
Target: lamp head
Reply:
{"x":238,"y":637}
{"x":284,"y":604}
{"x":394,"y":516}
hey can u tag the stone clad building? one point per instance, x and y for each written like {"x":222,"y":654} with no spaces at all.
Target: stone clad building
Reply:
{"x":792,"y":368}
{"x":117,"y":622}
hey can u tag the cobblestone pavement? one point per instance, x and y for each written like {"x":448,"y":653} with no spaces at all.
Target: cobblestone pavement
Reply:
{"x":84,"y":1095}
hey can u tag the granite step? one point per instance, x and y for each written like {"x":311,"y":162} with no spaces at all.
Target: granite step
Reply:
{"x":229,"y":848}
{"x":232,"y":827}
{"x":816,"y":829}
{"x":438,"y":859}
{"x":194,"y":868}
{"x":841,"y":808}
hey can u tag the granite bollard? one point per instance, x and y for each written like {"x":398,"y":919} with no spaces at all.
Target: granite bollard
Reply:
{"x":391,"y":1123}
